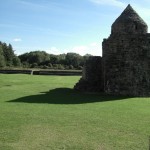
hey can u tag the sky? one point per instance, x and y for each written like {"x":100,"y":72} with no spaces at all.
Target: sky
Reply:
{"x":62,"y":26}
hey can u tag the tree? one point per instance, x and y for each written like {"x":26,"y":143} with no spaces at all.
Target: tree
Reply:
{"x":7,"y":56}
{"x":74,"y":59}
{"x":8,"y":53}
{"x":37,"y":57}
{"x":16,"y":61}
{"x":86,"y":56}
{"x":2,"y":58}
{"x":54,"y":59}
{"x":62,"y":61}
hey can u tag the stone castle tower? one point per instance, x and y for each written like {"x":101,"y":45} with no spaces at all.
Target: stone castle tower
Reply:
{"x":124,"y":68}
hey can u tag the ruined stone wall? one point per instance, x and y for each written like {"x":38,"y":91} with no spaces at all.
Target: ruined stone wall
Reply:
{"x":91,"y":80}
{"x":124,"y":68}
{"x":126,"y":62}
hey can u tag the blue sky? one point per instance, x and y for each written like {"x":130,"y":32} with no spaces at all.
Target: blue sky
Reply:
{"x":61,"y":26}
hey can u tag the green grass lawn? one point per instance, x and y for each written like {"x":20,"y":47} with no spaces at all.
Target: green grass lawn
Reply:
{"x":45,"y":113}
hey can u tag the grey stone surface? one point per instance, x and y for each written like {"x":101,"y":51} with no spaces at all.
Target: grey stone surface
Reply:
{"x":124,"y":68}
{"x":91,"y":80}
{"x":129,"y":22}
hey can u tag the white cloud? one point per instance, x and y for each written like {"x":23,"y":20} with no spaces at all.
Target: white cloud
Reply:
{"x":18,"y":53}
{"x":17,"y":39}
{"x":93,"y":48}
{"x":54,"y":50}
{"x":115,"y":3}
{"x":79,"y":49}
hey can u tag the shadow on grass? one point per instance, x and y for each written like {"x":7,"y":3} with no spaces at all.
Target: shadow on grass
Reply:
{"x":67,"y":96}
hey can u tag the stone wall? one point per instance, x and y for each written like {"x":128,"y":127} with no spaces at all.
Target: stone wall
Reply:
{"x":124,"y":68}
{"x":91,"y":80}
{"x":129,"y":22}
{"x":44,"y":72}
{"x":126,"y":61}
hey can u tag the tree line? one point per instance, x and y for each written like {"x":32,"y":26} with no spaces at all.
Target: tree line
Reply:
{"x":40,"y":59}
{"x":8,"y":57}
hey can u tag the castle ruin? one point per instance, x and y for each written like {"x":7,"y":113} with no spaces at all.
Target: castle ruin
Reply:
{"x":124,"y":68}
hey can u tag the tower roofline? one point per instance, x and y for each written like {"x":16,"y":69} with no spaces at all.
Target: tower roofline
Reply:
{"x":129,"y":20}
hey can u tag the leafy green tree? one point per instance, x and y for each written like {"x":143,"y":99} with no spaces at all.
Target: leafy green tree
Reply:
{"x":7,"y":56}
{"x":86,"y":56}
{"x":2,"y":58}
{"x":51,"y":61}
{"x":54,"y":59}
{"x":74,"y":59}
{"x":50,"y":65}
{"x":35,"y":57}
{"x":16,"y":61}
{"x":8,"y":53}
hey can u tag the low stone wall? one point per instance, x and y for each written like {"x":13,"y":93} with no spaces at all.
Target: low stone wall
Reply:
{"x":62,"y":73}
{"x":16,"y":71}
{"x":43,"y":72}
